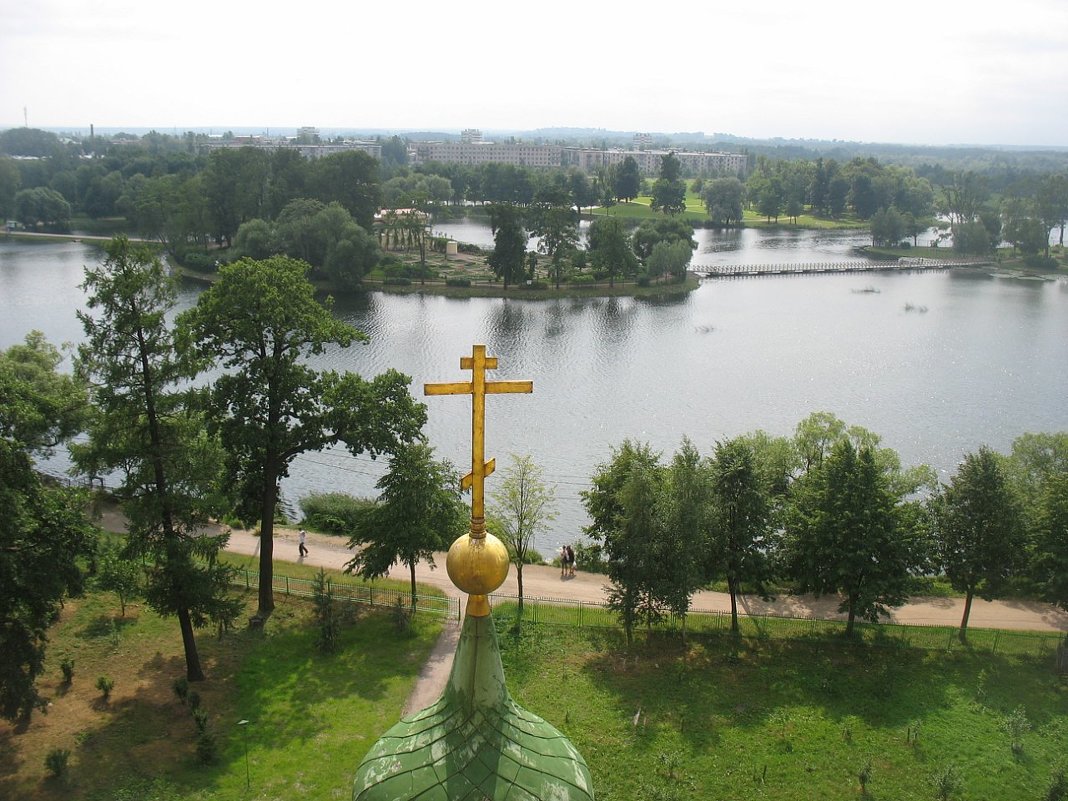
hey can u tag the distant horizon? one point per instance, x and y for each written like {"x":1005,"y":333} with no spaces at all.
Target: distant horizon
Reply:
{"x":276,"y":130}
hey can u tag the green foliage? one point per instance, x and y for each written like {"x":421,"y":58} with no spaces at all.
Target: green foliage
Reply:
{"x":1016,"y":725}
{"x":847,"y":532}
{"x":207,"y":748}
{"x":326,"y":613}
{"x":56,"y":762}
{"x":947,"y":782}
{"x":333,"y":512}
{"x":521,"y":506}
{"x":508,"y":259}
{"x":260,"y":321}
{"x":457,"y":282}
{"x":609,"y":250}
{"x":150,"y":429}
{"x":42,"y":207}
{"x":977,"y":528}
{"x":181,"y":688}
{"x":66,"y":667}
{"x":1057,"y":790}
{"x":724,"y":199}
{"x":43,"y":535}
{"x":41,"y":406}
{"x":419,"y":511}
{"x":105,"y":686}
{"x":200,"y":719}
{"x":120,"y":574}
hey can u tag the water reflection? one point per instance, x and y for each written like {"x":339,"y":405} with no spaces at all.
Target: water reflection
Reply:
{"x":980,"y":366}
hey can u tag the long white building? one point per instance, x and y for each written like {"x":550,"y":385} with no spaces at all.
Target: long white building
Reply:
{"x":587,"y":159}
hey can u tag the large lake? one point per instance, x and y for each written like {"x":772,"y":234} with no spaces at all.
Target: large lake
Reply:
{"x":938,"y":363}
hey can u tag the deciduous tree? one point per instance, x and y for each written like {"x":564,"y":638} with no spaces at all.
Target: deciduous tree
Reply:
{"x":509,"y":244}
{"x":977,"y":528}
{"x":260,"y":321}
{"x":522,"y":507}
{"x":419,"y":511}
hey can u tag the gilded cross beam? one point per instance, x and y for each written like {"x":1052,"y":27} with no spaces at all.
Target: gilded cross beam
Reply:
{"x":478,"y":387}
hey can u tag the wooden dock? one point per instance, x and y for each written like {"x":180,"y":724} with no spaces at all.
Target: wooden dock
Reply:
{"x":852,"y":266}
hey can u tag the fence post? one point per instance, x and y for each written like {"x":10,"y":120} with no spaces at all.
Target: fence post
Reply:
{"x":287,"y":585}
{"x":994,"y":646}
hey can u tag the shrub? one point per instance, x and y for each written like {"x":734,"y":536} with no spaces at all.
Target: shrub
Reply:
{"x":401,"y":618}
{"x":590,"y":558}
{"x":325,"y":613}
{"x":207,"y":748}
{"x":193,"y":699}
{"x":333,"y":512}
{"x":202,"y":260}
{"x":105,"y":685}
{"x":1058,"y":786}
{"x":67,"y":666}
{"x":200,"y":719}
{"x":947,"y":783}
{"x":466,"y":247}
{"x":181,"y":688}
{"x":1016,"y":725}
{"x":397,"y":281}
{"x":56,"y":762}
{"x":535,"y":285}
{"x":1037,"y":261}
{"x":581,"y":278}
{"x":457,"y":282}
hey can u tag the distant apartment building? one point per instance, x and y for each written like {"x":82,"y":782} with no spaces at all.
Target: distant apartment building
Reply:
{"x":470,"y":136}
{"x":475,"y":153}
{"x":309,"y":151}
{"x":521,"y":154}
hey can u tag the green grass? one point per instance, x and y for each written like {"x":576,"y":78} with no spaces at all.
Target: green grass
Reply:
{"x":786,"y":718}
{"x":311,"y":716}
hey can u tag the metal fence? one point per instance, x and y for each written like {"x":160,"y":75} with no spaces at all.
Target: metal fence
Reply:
{"x":352,"y":592}
{"x":566,"y":612}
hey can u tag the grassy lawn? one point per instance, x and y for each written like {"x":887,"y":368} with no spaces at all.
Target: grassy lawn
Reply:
{"x":311,"y":716}
{"x":790,"y":719}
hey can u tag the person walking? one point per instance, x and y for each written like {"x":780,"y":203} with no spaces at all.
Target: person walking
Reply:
{"x":570,"y":561}
{"x":302,"y":537}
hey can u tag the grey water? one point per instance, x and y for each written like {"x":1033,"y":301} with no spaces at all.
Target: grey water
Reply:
{"x":937,"y":363}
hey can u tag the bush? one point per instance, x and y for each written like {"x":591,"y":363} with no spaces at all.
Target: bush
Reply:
{"x":202,"y":260}
{"x":207,"y":748}
{"x":56,"y":762}
{"x":67,"y":666}
{"x":466,"y":247}
{"x":590,"y":558}
{"x":181,"y":688}
{"x":535,"y":285}
{"x":643,"y":280}
{"x":581,"y":278}
{"x":105,"y":685}
{"x":326,"y":613}
{"x":457,"y":282}
{"x":333,"y":512}
{"x":397,"y":281}
{"x":1037,"y":261}
{"x":193,"y":699}
{"x":200,"y":719}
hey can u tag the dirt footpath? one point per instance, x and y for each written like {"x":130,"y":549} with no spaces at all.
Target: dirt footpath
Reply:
{"x":540,"y":581}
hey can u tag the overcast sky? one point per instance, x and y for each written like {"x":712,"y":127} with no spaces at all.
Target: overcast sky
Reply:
{"x":910,"y":71}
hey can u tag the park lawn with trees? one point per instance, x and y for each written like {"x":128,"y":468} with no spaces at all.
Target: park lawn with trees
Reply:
{"x":311,"y":715}
{"x":788,"y":719}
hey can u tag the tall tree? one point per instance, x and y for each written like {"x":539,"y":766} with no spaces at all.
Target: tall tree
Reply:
{"x":351,"y":179}
{"x":43,"y":531}
{"x":669,"y":190}
{"x":741,"y":547}
{"x":144,"y":428}
{"x":419,"y":511}
{"x":261,"y":321}
{"x":627,"y":180}
{"x":724,"y":199}
{"x":977,"y":528}
{"x":510,"y":244}
{"x":622,"y":505}
{"x":522,"y":507}
{"x":555,"y":225}
{"x":609,"y":248}
{"x":683,"y":511}
{"x":43,"y":534}
{"x":1049,"y":554}
{"x":844,"y":535}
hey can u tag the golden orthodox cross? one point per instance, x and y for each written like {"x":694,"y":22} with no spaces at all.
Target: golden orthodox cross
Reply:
{"x":478,"y":387}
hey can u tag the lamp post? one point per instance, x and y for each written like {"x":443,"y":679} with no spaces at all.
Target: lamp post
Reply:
{"x":244,"y":732}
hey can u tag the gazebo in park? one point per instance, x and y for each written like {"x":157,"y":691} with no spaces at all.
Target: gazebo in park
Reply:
{"x":475,"y":743}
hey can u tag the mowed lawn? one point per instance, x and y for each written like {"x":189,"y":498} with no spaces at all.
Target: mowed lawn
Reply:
{"x":311,"y":717}
{"x":789,"y":719}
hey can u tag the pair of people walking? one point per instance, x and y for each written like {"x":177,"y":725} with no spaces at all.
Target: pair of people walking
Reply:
{"x":567,"y":561}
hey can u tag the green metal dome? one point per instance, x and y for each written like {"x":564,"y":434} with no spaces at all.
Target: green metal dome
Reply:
{"x":475,"y":743}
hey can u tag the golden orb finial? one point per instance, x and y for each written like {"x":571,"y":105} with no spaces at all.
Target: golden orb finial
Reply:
{"x":477,"y":565}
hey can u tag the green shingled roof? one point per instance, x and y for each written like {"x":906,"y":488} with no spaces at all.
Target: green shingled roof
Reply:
{"x":475,"y":743}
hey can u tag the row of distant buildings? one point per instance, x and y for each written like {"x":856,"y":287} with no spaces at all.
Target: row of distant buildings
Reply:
{"x":472,"y":150}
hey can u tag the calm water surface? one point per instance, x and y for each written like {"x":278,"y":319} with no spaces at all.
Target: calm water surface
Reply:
{"x":978,"y":360}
